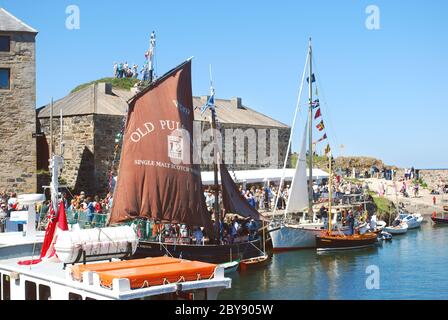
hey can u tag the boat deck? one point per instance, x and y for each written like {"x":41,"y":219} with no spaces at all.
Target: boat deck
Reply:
{"x":120,"y":284}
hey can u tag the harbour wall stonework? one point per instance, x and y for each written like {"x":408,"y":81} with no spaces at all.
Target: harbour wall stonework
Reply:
{"x":17,"y":116}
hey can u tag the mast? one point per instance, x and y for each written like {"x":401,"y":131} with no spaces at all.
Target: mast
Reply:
{"x":51,"y":129}
{"x":310,"y":133}
{"x":152,"y":47}
{"x":330,"y":158}
{"x":61,"y":134}
{"x":215,"y":155}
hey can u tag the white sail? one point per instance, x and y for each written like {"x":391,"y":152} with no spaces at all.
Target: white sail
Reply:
{"x":298,"y":193}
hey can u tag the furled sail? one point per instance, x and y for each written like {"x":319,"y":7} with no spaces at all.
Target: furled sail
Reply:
{"x":298,"y":194}
{"x":157,"y":179}
{"x":232,"y":199}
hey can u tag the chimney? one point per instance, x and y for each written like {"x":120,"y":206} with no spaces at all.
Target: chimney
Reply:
{"x":104,"y":87}
{"x":236,"y":103}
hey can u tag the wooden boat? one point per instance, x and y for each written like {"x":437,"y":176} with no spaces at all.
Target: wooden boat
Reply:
{"x":327,"y":242}
{"x":254,"y":262}
{"x":230,"y":267}
{"x":168,"y":100}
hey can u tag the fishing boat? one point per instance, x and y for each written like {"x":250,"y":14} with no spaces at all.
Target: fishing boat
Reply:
{"x":413,"y":220}
{"x":440,"y":220}
{"x":329,"y":240}
{"x":158,"y":180}
{"x":287,"y":234}
{"x":254,"y":262}
{"x":230,"y":267}
{"x":399,"y":227}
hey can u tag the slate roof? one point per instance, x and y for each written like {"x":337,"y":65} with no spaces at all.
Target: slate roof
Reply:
{"x":10,"y":23}
{"x":101,"y":98}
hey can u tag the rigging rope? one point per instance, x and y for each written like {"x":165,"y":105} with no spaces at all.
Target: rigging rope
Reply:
{"x":290,"y":139}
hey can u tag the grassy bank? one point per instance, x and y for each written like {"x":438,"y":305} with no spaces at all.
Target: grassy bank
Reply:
{"x":123,"y":83}
{"x":385,"y":209}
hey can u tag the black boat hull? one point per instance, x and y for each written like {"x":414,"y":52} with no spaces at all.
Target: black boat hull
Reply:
{"x":204,"y":253}
{"x":439,"y":220}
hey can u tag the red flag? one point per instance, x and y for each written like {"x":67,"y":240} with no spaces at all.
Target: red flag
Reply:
{"x":318,"y":114}
{"x":55,"y":222}
{"x":320,"y":126}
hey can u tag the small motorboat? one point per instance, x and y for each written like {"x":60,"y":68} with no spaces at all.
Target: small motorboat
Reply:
{"x":230,"y":267}
{"x":398,"y":227}
{"x":413,"y":220}
{"x":386,"y":236}
{"x":328,"y":241}
{"x":442,"y":220}
{"x":254,"y":262}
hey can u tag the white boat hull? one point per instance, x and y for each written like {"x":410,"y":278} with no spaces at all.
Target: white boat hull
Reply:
{"x":293,"y":237}
{"x":400,"y":229}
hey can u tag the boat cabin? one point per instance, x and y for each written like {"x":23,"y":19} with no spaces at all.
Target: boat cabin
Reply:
{"x":141,"y":279}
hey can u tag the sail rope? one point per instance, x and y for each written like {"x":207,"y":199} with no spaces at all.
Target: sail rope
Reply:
{"x":290,"y":140}
{"x":261,"y":251}
{"x":319,"y":85}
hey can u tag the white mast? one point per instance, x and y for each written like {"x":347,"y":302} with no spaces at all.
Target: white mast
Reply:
{"x":310,"y":133}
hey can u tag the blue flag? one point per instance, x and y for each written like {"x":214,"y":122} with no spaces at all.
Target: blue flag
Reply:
{"x":210,"y":103}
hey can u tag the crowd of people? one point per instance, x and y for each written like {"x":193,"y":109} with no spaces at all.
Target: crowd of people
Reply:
{"x":8,"y":203}
{"x":123,"y":70}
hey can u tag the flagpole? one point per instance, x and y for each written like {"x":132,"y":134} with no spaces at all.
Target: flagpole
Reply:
{"x":310,"y":133}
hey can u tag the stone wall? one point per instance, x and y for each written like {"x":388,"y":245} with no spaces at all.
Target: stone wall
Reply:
{"x":247,"y":147}
{"x":90,"y":142}
{"x":434,"y":178}
{"x":106,"y":129}
{"x":79,"y":165}
{"x":17,"y":116}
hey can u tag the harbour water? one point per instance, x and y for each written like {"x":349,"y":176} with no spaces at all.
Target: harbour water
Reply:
{"x":411,"y":266}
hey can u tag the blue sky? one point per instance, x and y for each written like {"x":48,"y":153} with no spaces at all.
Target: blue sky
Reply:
{"x":384,"y":91}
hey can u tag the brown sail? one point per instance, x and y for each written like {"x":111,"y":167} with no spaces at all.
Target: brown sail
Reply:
{"x":157,"y":179}
{"x":232,"y":199}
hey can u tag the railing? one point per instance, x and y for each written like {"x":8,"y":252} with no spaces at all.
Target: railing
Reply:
{"x":98,"y":220}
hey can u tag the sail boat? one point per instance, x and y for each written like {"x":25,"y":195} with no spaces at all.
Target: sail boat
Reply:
{"x":157,"y":180}
{"x":289,"y":234}
{"x":330,"y":240}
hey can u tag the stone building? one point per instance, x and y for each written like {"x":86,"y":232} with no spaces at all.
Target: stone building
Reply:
{"x":17,"y":104}
{"x":94,"y":115}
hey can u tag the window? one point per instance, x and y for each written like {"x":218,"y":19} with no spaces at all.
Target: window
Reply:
{"x":5,"y":43}
{"x":88,"y":298}
{"x":44,"y":292}
{"x":30,"y":290}
{"x":74,"y":296}
{"x":6,"y":287}
{"x":4,"y":78}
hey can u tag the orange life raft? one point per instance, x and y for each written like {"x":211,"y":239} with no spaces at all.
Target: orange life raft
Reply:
{"x":107,"y":266}
{"x":148,"y":272}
